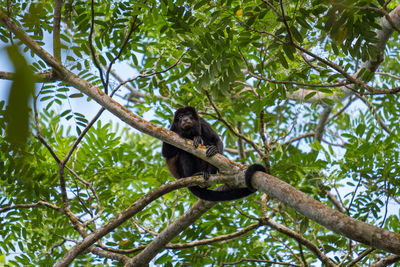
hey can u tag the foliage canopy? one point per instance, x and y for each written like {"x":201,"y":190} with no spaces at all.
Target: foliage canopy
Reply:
{"x":309,"y":88}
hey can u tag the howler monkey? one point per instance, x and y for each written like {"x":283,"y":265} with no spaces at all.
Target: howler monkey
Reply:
{"x":188,"y":124}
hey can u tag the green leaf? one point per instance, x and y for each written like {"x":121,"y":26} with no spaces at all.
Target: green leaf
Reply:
{"x":65,"y":112}
{"x":282,"y":59}
{"x":310,"y":95}
{"x":22,"y":87}
{"x":76,"y":95}
{"x":289,"y":51}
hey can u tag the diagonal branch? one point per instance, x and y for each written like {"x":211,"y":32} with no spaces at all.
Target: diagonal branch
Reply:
{"x":375,"y":113}
{"x":387,"y":261}
{"x":172,"y":230}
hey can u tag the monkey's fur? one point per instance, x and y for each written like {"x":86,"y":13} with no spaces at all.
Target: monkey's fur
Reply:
{"x":188,"y":124}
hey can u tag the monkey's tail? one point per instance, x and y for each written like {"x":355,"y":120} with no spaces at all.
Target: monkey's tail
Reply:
{"x":248,"y":175}
{"x":211,"y":195}
{"x":231,"y":194}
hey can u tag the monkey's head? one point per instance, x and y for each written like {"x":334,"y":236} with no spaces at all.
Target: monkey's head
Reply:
{"x":186,"y":122}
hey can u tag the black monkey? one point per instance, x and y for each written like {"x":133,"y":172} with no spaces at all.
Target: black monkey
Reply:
{"x":188,"y":124}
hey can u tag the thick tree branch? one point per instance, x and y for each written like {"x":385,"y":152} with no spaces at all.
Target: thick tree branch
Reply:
{"x":221,"y":162}
{"x":331,"y":219}
{"x":172,"y":230}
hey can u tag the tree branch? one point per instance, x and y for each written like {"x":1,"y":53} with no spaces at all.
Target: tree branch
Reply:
{"x":234,"y":131}
{"x":387,"y":261}
{"x":172,"y":230}
{"x":290,"y":233}
{"x":44,"y":77}
{"x":360,"y":257}
{"x":323,"y":119}
{"x":375,"y":113}
{"x":33,"y":205}
{"x":56,"y":29}
{"x":107,"y":254}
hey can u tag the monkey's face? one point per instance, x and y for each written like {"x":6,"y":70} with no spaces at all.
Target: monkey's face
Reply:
{"x":186,"y":121}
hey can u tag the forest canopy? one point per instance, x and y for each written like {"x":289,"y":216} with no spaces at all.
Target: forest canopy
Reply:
{"x":310,"y":89}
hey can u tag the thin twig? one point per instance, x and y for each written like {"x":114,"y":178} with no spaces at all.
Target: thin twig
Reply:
{"x":360,"y":257}
{"x":133,"y":28}
{"x":33,"y":205}
{"x":354,"y":195}
{"x":374,"y":112}
{"x":92,"y":50}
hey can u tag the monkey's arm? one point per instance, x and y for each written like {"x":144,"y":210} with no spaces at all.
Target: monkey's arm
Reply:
{"x":215,"y":148}
{"x":197,"y":140}
{"x":211,"y":139}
